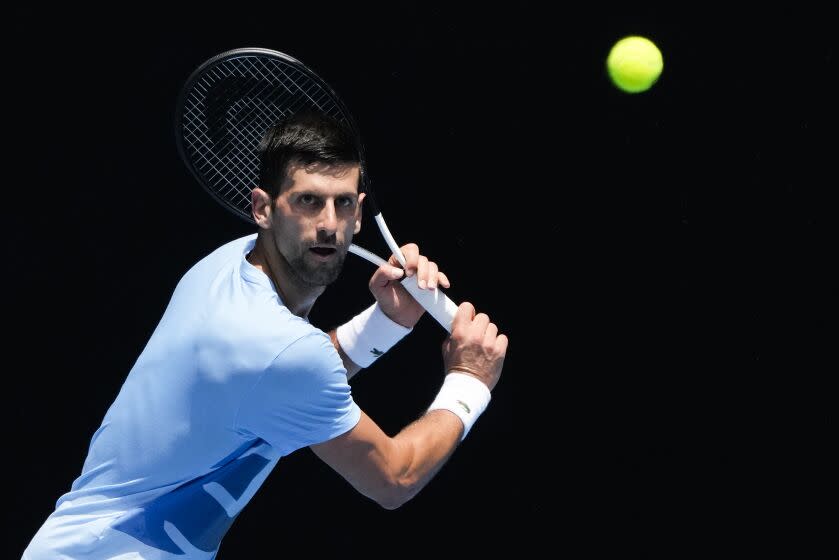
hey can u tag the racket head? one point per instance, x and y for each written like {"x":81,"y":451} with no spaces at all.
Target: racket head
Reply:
{"x":227,"y":104}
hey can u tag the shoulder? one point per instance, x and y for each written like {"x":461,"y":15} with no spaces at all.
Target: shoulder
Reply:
{"x":219,"y":263}
{"x":232,"y":251}
{"x":236,"y":247}
{"x":311,"y":350}
{"x":268,"y":337}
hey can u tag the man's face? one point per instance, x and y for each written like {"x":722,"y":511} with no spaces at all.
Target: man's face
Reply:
{"x":315,"y":217}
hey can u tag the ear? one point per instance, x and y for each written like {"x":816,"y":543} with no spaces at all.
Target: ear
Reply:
{"x":359,"y":213}
{"x":261,"y":208}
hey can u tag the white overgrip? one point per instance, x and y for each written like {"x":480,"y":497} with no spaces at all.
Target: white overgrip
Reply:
{"x":434,"y":301}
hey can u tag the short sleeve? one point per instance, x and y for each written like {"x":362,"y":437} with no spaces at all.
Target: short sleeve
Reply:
{"x":302,"y":398}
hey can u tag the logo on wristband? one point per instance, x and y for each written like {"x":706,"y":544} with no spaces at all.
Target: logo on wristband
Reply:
{"x":464,"y":405}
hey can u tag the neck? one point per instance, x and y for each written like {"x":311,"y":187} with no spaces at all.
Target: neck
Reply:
{"x":299,"y":297}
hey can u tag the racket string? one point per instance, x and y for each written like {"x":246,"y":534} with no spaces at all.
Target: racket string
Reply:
{"x":225,"y":109}
{"x":228,"y":109}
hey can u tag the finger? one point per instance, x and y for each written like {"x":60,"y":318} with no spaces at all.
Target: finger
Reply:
{"x":411,"y":253}
{"x":463,"y":316}
{"x":480,"y":324}
{"x":433,"y":271}
{"x":385,"y":274}
{"x":490,"y":335}
{"x":443,"y":280}
{"x":422,"y":272}
{"x":501,"y":344}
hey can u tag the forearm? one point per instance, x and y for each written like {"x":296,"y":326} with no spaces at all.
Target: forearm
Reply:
{"x":426,"y":445}
{"x":351,"y":367}
{"x":403,"y":465}
{"x":391,"y":470}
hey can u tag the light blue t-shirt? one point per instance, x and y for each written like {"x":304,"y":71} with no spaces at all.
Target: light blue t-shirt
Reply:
{"x":229,"y":382}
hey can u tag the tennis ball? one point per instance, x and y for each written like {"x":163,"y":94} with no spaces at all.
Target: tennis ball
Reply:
{"x":634,"y":64}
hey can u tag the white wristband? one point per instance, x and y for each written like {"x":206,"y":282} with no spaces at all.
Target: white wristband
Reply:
{"x":368,"y":335}
{"x":465,"y":395}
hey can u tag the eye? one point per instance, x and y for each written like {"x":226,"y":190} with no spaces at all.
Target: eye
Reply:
{"x":308,"y":199}
{"x":345,"y":202}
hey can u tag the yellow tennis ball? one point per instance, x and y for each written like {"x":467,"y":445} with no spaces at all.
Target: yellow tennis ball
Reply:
{"x":634,"y":64}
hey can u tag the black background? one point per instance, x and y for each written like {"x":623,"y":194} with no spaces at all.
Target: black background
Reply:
{"x":661,"y":263}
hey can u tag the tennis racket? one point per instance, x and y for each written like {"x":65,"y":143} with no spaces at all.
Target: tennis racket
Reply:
{"x":224,"y":108}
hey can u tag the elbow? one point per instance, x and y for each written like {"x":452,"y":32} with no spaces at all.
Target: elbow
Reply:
{"x":390,"y":505}
{"x":396,"y":493}
{"x":393,"y":501}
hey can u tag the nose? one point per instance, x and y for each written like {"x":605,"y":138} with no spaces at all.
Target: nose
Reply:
{"x":328,"y":219}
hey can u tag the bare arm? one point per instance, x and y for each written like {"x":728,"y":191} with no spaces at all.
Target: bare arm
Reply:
{"x":388,"y":470}
{"x":393,"y":300}
{"x":392,"y":470}
{"x":351,"y":367}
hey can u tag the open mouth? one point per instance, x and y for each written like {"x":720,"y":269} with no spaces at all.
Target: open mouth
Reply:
{"x":323,"y":251}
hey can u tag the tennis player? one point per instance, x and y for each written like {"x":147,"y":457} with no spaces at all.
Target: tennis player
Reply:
{"x":235,"y":377}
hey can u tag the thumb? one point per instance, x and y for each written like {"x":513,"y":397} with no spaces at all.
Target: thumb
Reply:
{"x":464,"y":315}
{"x":386,"y":273}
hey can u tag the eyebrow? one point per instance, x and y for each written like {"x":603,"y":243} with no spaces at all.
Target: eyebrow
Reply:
{"x":348,"y":194}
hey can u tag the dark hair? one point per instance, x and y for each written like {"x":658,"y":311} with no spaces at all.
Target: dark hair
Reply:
{"x":305,"y":138}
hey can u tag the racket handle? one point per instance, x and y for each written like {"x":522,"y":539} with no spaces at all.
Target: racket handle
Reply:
{"x":435,"y":302}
